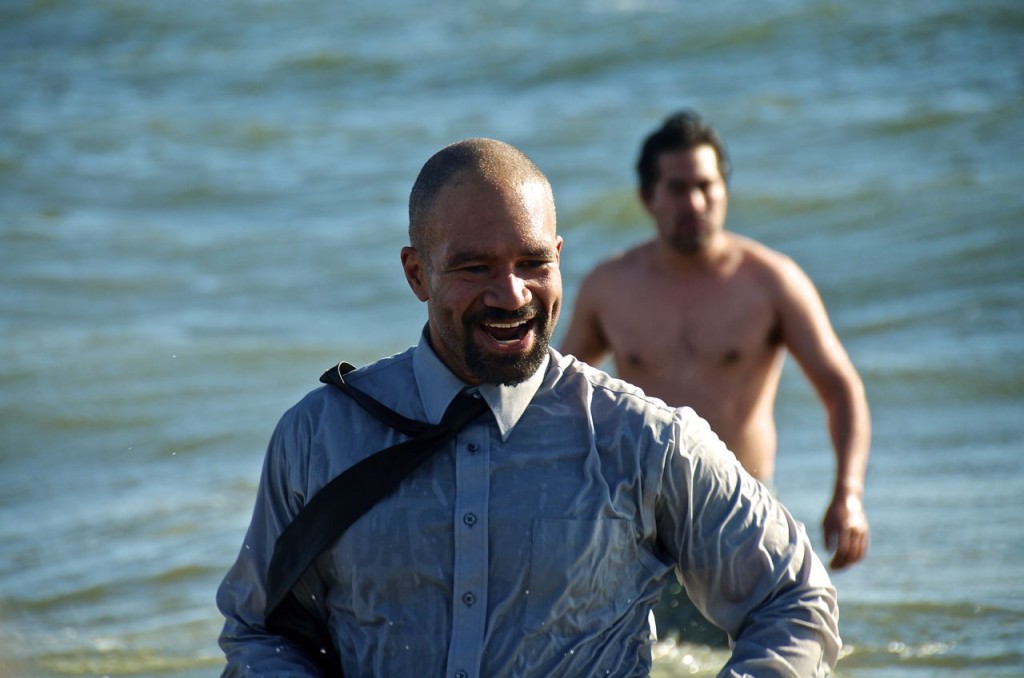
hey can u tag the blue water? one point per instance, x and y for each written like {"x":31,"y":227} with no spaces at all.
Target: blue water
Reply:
{"x":201,"y":206}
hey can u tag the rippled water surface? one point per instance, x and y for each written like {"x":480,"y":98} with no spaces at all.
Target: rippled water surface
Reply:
{"x":201,"y":206}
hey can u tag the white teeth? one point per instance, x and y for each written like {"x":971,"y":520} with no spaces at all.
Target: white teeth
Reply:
{"x":506,"y":326}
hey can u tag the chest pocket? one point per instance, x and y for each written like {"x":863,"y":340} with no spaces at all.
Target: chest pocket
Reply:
{"x":583,"y":574}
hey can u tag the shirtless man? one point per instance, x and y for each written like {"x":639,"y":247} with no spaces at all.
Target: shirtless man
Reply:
{"x":702,"y":317}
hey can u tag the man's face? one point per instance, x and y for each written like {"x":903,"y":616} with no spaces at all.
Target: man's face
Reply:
{"x":490,"y":278}
{"x":690,"y":199}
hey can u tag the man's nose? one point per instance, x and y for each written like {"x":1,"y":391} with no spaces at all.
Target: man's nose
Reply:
{"x":508,"y":291}
{"x":696,"y":201}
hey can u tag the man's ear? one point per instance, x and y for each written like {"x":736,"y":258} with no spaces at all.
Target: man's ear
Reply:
{"x":415,"y":273}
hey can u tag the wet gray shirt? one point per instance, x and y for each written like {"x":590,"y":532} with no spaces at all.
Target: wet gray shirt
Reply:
{"x":536,"y":542}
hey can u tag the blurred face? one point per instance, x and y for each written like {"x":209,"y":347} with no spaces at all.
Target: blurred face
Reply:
{"x":690,"y":199}
{"x":490,"y":278}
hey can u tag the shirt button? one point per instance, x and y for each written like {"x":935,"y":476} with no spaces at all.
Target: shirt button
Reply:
{"x":461,"y":674}
{"x":469,"y":519}
{"x":468,"y":598}
{"x":473,"y":447}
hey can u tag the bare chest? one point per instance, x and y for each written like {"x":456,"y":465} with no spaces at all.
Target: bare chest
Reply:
{"x":711,"y":326}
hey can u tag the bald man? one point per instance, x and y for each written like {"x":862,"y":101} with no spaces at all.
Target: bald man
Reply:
{"x":535,"y":540}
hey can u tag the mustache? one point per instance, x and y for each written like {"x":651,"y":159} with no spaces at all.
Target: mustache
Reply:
{"x":691,"y":221}
{"x":500,"y":315}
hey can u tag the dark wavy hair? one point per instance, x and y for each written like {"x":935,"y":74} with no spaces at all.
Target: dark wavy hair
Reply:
{"x":683,"y":130}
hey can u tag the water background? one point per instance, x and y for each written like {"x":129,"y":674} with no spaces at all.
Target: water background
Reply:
{"x":201,"y":206}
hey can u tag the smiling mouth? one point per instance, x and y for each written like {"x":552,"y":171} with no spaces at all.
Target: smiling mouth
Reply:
{"x":508,"y":333}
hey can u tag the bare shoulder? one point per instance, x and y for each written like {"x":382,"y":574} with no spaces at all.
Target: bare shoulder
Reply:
{"x":758,"y":254}
{"x":622,"y":266}
{"x":768,"y":265}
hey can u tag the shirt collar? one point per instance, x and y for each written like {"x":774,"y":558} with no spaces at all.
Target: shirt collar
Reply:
{"x":438,"y":386}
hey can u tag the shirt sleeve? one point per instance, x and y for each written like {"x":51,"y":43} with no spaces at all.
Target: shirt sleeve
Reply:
{"x":746,"y":563}
{"x":250,"y":649}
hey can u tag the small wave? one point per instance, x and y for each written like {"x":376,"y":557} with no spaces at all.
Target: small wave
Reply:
{"x":931,"y":635}
{"x":336,"y":65}
{"x":123,"y":662}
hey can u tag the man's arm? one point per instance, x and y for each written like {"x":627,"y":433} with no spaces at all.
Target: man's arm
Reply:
{"x":585,"y":339}
{"x":249,"y":647}
{"x":812,"y":341}
{"x":746,"y":563}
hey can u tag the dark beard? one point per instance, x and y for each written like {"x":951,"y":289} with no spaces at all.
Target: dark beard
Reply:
{"x":689,"y":236}
{"x":507,"y":370}
{"x":689,"y":244}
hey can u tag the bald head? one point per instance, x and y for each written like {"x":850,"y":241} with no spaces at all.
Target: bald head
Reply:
{"x":494,"y":163}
